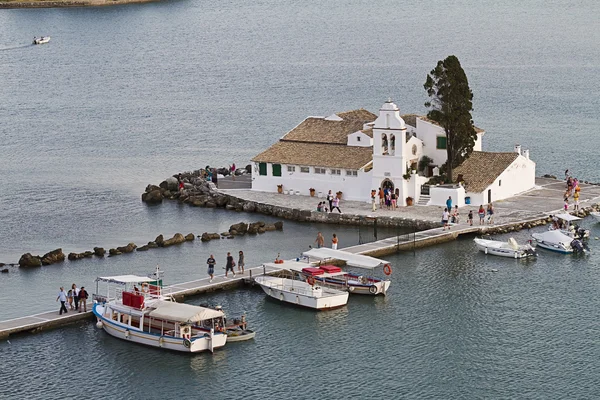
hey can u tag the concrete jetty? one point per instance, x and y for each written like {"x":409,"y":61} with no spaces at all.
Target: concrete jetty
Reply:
{"x":51,"y":319}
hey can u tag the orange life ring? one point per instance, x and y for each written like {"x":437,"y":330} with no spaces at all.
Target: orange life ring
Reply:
{"x":387,"y":269}
{"x":310,"y":280}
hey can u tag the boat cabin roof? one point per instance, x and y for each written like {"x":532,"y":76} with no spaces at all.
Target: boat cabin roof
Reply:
{"x":180,"y":312}
{"x":353,"y":260}
{"x":567,"y":217}
{"x":299,"y":267}
{"x":555,"y":236}
{"x":124,"y":279}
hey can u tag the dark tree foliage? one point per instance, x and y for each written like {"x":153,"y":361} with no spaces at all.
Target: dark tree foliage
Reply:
{"x":450,"y":105}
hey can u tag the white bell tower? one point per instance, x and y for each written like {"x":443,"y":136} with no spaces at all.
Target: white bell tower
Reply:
{"x":389,"y":142}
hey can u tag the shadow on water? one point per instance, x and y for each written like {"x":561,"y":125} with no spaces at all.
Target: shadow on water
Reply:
{"x":23,"y":46}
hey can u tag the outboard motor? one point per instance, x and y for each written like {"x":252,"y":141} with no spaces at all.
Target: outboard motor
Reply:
{"x":578,"y":246}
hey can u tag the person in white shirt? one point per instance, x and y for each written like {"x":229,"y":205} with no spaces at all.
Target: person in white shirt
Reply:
{"x":75,"y":296}
{"x":62,"y":296}
{"x":445,"y":217}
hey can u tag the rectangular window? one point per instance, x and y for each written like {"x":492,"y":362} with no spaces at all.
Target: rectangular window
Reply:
{"x":319,"y":170}
{"x":351,"y":173}
{"x":440,"y":143}
{"x":336,"y":172}
{"x":291,"y":168}
{"x":500,"y":182}
{"x":304,"y":170}
{"x":358,"y":138}
{"x":276,"y":169}
{"x":262,"y":168}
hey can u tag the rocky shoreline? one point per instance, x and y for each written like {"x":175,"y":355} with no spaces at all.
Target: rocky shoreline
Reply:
{"x":28,"y":260}
{"x":4,"y":4}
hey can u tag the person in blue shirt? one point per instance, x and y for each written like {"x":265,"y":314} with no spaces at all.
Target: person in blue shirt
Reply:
{"x":449,"y":203}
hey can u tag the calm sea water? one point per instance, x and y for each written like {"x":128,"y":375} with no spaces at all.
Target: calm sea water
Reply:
{"x":125,"y":96}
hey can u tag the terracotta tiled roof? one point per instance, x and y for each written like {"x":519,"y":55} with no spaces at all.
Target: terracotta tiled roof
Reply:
{"x":482,"y":168}
{"x":368,"y":132}
{"x":410,"y":119}
{"x":357,"y":115}
{"x":316,"y":155}
{"x":318,"y":130}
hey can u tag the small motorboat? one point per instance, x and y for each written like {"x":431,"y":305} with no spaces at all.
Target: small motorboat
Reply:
{"x":595,"y":215}
{"x":564,"y":223}
{"x":555,"y":240}
{"x":505,"y":249}
{"x":302,"y":293}
{"x":41,"y":40}
{"x":239,"y":335}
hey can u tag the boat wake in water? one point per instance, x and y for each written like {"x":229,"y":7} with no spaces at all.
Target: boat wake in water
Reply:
{"x":23,"y":46}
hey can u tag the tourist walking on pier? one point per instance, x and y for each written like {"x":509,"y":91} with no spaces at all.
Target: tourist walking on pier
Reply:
{"x":381,"y":197}
{"x":75,"y":296}
{"x":211,"y":267}
{"x":490,"y":213}
{"x":455,"y":215}
{"x":320,"y":241}
{"x":232,"y":169}
{"x":83,"y":296}
{"x":241,"y":262}
{"x":336,"y":204}
{"x":373,"y":194}
{"x":576,"y":199}
{"x":330,"y":200}
{"x":229,"y":265}
{"x":470,"y":217}
{"x":62,"y":296}
{"x":445,"y":217}
{"x":70,"y":299}
{"x":449,"y":204}
{"x":334,"y":242}
{"x":481,"y":213}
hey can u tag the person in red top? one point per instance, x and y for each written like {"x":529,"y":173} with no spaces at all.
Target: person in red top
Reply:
{"x":83,"y":296}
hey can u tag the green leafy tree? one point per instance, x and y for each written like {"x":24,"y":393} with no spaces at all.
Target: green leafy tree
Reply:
{"x":450,"y":105}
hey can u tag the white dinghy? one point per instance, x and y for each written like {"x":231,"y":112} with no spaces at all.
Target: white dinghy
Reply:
{"x":301,"y":293}
{"x":41,"y":40}
{"x":505,"y":249}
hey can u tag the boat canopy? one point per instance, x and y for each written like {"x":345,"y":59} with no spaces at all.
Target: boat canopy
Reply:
{"x":180,"y":312}
{"x":554,"y":236}
{"x":353,"y":260}
{"x":567,"y":217}
{"x":124,"y":279}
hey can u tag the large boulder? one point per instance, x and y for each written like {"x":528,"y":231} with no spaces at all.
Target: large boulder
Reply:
{"x":270,"y":227}
{"x":53,"y":257}
{"x":151,"y":188}
{"x":176,"y":239}
{"x":113,"y":252}
{"x":248,"y":169}
{"x":127,"y":249}
{"x":172,"y":183}
{"x":27,"y":260}
{"x":255,"y":226}
{"x":209,"y":236}
{"x":164,"y":185}
{"x":99,"y":251}
{"x":75,"y":256}
{"x":223,"y":171}
{"x":240,"y":228}
{"x":153,"y":197}
{"x":159,"y":240}
{"x":249,"y":207}
{"x":189,"y":237}
{"x":279,"y":225}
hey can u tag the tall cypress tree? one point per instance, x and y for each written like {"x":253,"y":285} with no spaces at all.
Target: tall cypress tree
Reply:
{"x":450,"y":105}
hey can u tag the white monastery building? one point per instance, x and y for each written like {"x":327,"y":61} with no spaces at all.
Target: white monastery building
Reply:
{"x":357,"y":151}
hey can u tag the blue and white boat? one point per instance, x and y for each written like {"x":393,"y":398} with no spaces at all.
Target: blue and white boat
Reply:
{"x":144,"y":315}
{"x":557,"y":241}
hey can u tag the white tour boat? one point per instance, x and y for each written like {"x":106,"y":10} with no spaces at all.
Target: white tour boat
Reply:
{"x":505,"y":249}
{"x":301,"y":293}
{"x":41,"y":40}
{"x":144,"y":315}
{"x":555,"y":240}
{"x":333,"y":276}
{"x":564,"y":223}
{"x":595,"y":215}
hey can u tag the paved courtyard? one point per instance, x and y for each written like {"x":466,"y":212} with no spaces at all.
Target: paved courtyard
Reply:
{"x":545,"y":199}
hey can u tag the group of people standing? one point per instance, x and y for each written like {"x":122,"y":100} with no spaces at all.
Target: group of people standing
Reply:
{"x":75,"y":298}
{"x":573,"y":189}
{"x":320,"y":241}
{"x":387,"y":198}
{"x":229,"y":265}
{"x":334,"y":203}
{"x":451,"y":215}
